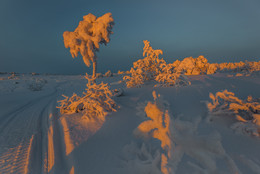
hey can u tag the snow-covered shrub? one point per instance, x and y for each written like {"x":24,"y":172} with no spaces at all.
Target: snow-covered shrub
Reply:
{"x":13,"y":76}
{"x":145,"y":69}
{"x":193,"y":66}
{"x":173,"y":79}
{"x":95,"y":102}
{"x":254,"y":66}
{"x":135,"y":80}
{"x":153,"y":68}
{"x":200,"y":65}
{"x":121,"y":72}
{"x":246,"y":112}
{"x":169,"y":77}
{"x":34,"y":74}
{"x":99,"y":75}
{"x":108,"y":74}
{"x":36,"y":84}
{"x":250,"y":67}
{"x":212,"y":68}
{"x":240,"y":67}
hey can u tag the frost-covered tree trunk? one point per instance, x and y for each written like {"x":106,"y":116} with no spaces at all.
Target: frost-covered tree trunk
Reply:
{"x":94,"y":69}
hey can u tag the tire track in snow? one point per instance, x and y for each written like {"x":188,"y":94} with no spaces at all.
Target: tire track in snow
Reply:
{"x":15,"y":160}
{"x":34,"y":121}
{"x":7,"y":118}
{"x":26,"y":151}
{"x":40,"y":141}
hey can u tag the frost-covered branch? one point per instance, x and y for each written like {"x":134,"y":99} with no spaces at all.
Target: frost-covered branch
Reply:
{"x":246,"y":112}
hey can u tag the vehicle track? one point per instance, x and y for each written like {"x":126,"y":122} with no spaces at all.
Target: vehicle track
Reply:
{"x":25,"y":138}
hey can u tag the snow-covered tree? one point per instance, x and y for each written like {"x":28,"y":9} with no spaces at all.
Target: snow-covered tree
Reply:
{"x":86,"y":38}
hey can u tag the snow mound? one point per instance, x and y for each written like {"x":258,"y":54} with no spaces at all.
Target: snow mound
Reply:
{"x":245,"y":112}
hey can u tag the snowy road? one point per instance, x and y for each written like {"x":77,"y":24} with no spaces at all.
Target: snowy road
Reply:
{"x":29,"y":121}
{"x":24,"y":134}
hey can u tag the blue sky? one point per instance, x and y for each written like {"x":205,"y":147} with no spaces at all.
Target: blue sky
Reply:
{"x":221,"y":30}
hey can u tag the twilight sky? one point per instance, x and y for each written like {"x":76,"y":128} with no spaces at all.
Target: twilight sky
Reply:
{"x":221,"y":30}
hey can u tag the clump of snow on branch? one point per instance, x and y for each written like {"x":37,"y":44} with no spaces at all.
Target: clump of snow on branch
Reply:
{"x":86,"y":38}
{"x":95,"y":102}
{"x":245,"y":112}
{"x":177,"y":138}
{"x":151,"y":68}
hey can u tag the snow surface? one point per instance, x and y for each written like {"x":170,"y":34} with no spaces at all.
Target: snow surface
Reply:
{"x":36,"y":138}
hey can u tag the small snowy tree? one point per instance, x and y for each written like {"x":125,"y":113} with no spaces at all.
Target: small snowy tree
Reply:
{"x":145,"y":69}
{"x":86,"y":38}
{"x":151,"y":67}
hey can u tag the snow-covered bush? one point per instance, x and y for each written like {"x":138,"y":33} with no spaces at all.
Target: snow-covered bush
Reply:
{"x":36,"y":84}
{"x":169,"y":77}
{"x":245,"y":112}
{"x":173,"y":79}
{"x":200,"y":65}
{"x":86,"y":38}
{"x":193,"y":66}
{"x":145,"y":69}
{"x":99,"y":75}
{"x":135,"y":80}
{"x":13,"y":76}
{"x":95,"y":102}
{"x":121,"y":72}
{"x":108,"y":74}
{"x":153,"y":68}
{"x":239,"y":67}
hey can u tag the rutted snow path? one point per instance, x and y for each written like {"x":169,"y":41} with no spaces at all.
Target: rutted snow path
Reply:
{"x":26,"y":135}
